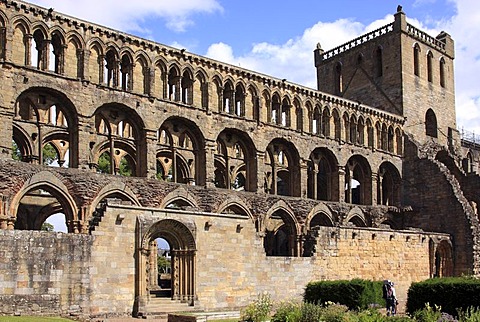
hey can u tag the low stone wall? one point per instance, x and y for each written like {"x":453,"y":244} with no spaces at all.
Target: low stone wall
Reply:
{"x":44,"y":273}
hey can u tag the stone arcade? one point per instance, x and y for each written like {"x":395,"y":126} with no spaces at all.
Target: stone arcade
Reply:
{"x":257,"y":184}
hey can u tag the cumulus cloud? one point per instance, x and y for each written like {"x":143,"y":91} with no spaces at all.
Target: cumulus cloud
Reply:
{"x":128,"y":15}
{"x":293,"y":59}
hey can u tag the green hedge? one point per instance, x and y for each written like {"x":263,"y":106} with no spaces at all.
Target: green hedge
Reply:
{"x":355,"y":294}
{"x":450,"y":294}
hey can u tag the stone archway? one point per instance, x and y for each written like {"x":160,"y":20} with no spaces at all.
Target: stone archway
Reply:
{"x":182,"y":250}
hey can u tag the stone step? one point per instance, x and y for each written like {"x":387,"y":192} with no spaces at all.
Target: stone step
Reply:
{"x":159,"y":306}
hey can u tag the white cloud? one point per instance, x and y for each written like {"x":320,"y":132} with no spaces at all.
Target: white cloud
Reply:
{"x":293,"y":59}
{"x":128,"y":15}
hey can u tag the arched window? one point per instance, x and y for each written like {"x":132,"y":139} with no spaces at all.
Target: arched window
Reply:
{"x":56,"y":54}
{"x":338,"y":79}
{"x":316,"y":120}
{"x":325,"y":123}
{"x":370,"y":134}
{"x":430,"y":66}
{"x":442,"y":72}
{"x":285,"y":113}
{"x":126,"y":69}
{"x":275,"y":110}
{"x":337,"y":125}
{"x":187,"y":88}
{"x":416,"y":60}
{"x":173,"y":93}
{"x":37,"y":50}
{"x":110,"y":76}
{"x":390,"y":139}
{"x":431,"y":124}
{"x":239,"y":101}
{"x":228,"y":98}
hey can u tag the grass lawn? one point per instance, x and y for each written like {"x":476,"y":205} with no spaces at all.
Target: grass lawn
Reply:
{"x":32,"y":319}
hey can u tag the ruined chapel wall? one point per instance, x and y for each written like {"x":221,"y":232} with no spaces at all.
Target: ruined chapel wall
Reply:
{"x":441,"y":211}
{"x":215,"y":76}
{"x":44,"y":273}
{"x":232,"y":268}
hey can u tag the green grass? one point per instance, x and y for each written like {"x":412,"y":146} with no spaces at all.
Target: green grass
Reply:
{"x":32,"y":319}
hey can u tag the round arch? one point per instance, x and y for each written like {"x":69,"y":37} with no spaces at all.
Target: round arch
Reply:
{"x":389,"y":185}
{"x":45,"y":188}
{"x":358,"y":181}
{"x":181,"y":238}
{"x":55,"y":116}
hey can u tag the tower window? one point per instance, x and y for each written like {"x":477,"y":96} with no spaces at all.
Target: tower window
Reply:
{"x":442,"y":72}
{"x":416,"y":61}
{"x":430,"y":66}
{"x":431,"y":124}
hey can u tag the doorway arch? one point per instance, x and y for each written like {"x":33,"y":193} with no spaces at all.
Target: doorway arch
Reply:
{"x":182,"y":251}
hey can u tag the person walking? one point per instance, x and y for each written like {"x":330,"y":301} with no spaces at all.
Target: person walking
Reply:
{"x":390,"y":298}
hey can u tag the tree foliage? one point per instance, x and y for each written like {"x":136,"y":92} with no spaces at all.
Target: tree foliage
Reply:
{"x":163,"y":264}
{"x":49,"y":153}
{"x":47,"y":227}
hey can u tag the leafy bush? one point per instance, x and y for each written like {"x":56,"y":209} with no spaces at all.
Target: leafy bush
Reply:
{"x":450,"y":294}
{"x":469,"y":315}
{"x":355,"y":294}
{"x":287,"y":312}
{"x":310,"y":313}
{"x":428,"y":314}
{"x":259,"y":310}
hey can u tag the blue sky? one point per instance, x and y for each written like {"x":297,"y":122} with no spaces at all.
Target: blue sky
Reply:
{"x":278,"y":37}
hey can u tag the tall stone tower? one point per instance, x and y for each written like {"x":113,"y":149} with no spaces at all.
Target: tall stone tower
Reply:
{"x":399,"y":69}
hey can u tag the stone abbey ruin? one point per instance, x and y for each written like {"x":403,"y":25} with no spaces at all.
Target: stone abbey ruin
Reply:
{"x":256,"y":183}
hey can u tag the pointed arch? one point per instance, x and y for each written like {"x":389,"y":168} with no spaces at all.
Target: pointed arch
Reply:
{"x":281,"y":229}
{"x":356,"y":217}
{"x":179,"y":198}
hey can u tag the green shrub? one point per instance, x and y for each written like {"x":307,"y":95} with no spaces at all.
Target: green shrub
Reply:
{"x":469,"y":315}
{"x":259,"y":310}
{"x":310,"y":312}
{"x":335,"y":313}
{"x":428,"y":314}
{"x":288,"y":312}
{"x":450,"y":294}
{"x":355,"y":294}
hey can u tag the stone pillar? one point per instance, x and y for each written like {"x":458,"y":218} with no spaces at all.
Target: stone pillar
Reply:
{"x":178,"y":88}
{"x":260,"y":156}
{"x":101,"y":70}
{"x":141,"y":291}
{"x":150,"y":74}
{"x":377,"y":198}
{"x":28,"y":49}
{"x":210,"y":148}
{"x":273,"y":184}
{"x":341,"y":183}
{"x":315,"y":181}
{"x":85,"y":142}
{"x":303,"y":179}
{"x":45,"y":52}
{"x":150,"y":154}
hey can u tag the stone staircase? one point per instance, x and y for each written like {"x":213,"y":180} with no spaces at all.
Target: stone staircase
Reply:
{"x":160,"y":307}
